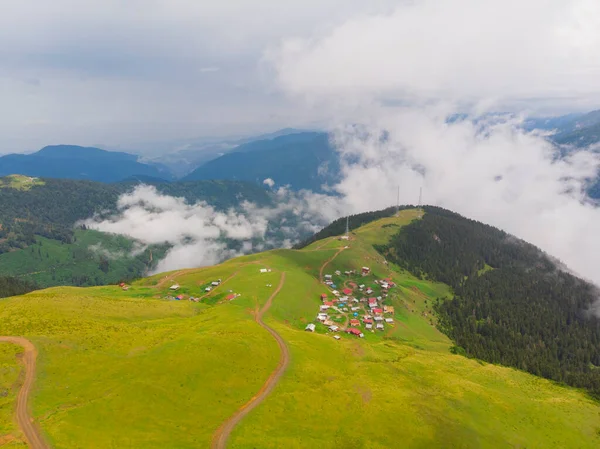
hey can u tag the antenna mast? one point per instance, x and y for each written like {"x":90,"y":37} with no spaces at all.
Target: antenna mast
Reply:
{"x":420,"y":196}
{"x":347,"y":225}
{"x":398,"y":202}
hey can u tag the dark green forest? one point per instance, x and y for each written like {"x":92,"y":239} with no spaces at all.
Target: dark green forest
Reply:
{"x":512,"y":305}
{"x":11,"y":286}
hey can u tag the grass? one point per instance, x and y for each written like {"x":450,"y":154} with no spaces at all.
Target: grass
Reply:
{"x":132,"y":369}
{"x":20,"y":182}
{"x":9,"y":384}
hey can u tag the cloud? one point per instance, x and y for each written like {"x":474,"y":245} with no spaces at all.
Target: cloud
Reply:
{"x":467,"y":51}
{"x":401,"y":75}
{"x":269,"y":182}
{"x":201,"y":235}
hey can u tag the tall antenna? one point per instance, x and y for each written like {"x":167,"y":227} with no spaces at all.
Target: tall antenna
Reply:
{"x":398,"y":202}
{"x":420,"y":196}
{"x":347,"y":225}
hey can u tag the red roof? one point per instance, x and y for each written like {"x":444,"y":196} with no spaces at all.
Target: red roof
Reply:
{"x":354,"y":323}
{"x":347,"y":291}
{"x":230,"y":297}
{"x":388,"y":279}
{"x":323,"y":296}
{"x":372,"y":300}
{"x":353,"y":331}
{"x":328,"y":303}
{"x":377,"y":311}
{"x":352,"y":284}
{"x":368,"y":321}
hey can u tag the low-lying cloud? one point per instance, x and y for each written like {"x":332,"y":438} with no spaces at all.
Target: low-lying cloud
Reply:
{"x":201,"y":235}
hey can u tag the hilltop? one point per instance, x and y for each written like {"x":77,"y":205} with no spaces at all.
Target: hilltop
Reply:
{"x":133,"y":365}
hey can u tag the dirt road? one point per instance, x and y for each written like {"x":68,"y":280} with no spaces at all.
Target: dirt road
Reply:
{"x":32,"y":434}
{"x":222,"y":434}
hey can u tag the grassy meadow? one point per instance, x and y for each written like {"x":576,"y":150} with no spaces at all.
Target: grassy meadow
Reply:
{"x":133,"y":369}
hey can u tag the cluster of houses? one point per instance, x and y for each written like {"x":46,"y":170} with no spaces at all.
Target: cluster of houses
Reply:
{"x":231,"y":296}
{"x":360,"y":309}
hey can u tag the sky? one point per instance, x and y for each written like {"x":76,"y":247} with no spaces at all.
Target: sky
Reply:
{"x":115,"y":73}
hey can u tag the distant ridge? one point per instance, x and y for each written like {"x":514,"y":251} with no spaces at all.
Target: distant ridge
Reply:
{"x":76,"y":162}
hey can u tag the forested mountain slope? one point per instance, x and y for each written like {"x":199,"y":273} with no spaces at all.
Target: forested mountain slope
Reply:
{"x":511,"y":304}
{"x":303,"y":161}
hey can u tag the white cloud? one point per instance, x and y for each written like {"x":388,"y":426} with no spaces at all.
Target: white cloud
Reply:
{"x":199,"y":234}
{"x":269,"y":182}
{"x":465,"y":51}
{"x":405,"y":72}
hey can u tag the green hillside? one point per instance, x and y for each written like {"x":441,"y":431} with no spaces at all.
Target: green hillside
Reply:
{"x":93,"y":258}
{"x":138,"y":368}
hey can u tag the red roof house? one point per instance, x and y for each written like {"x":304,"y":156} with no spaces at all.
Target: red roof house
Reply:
{"x":354,"y":323}
{"x":372,"y":300}
{"x":377,"y":311}
{"x":230,"y":297}
{"x":328,"y":303}
{"x":323,"y":296}
{"x":347,"y":291}
{"x":354,"y":331}
{"x":368,"y":321}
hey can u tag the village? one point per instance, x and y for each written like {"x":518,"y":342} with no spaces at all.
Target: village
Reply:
{"x":354,"y":307}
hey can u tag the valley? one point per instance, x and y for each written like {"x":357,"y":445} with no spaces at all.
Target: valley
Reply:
{"x":236,"y":368}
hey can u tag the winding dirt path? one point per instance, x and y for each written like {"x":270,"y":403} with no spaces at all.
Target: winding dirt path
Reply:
{"x":25,"y":421}
{"x":327,"y":262}
{"x":222,"y":434}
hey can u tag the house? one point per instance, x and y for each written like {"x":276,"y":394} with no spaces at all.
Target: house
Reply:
{"x":334,"y":328}
{"x":125,"y":288}
{"x":379,"y":326}
{"x":365,"y":271}
{"x":368,"y":326}
{"x":347,"y":291}
{"x":323,"y":308}
{"x":207,"y":289}
{"x":367,"y":321}
{"x":377,"y":311}
{"x":369,"y":291}
{"x":174,"y":287}
{"x":389,"y":320}
{"x":323,"y":297}
{"x":354,"y":309}
{"x":372,"y":300}
{"x":338,"y":273}
{"x":216,"y":283}
{"x":335,"y":292}
{"x":337,"y":337}
{"x":354,"y":323}
{"x":361,"y":286}
{"x":310,"y":327}
{"x":355,"y":300}
{"x":388,"y":309}
{"x":322,"y":317}
{"x":330,"y":283}
{"x":378,"y":319}
{"x":344,"y":237}
{"x":333,"y":286}
{"x":230,"y":296}
{"x":328,"y":303}
{"x":328,"y":277}
{"x":179,"y":298}
{"x":355,"y":331}
{"x":122,"y":284}
{"x":263,"y":270}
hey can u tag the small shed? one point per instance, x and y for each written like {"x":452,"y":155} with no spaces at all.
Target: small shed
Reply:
{"x":174,"y":287}
{"x":310,"y":327}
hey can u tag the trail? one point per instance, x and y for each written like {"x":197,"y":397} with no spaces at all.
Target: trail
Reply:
{"x":25,"y":421}
{"x":327,"y":262}
{"x":222,"y":434}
